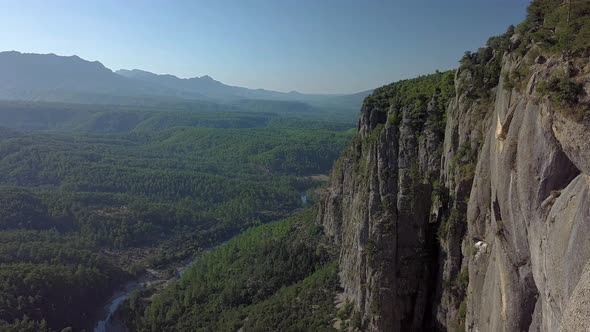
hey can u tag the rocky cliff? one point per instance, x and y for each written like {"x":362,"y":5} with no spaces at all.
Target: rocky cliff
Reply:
{"x":377,"y":208}
{"x":463,"y":202}
{"x":528,"y":214}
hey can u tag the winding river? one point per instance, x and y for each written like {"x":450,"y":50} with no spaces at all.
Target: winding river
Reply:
{"x":108,"y":321}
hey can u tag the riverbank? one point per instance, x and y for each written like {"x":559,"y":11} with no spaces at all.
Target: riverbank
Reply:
{"x":157,"y":278}
{"x":167,"y":263}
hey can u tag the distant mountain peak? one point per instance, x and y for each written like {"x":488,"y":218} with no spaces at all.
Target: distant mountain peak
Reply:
{"x":134,"y":73}
{"x":30,"y":76}
{"x":139,"y":73}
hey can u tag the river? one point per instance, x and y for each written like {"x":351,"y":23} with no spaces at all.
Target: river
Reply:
{"x":107,"y":323}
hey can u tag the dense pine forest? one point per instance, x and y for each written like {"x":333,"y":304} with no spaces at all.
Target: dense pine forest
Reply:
{"x":279,"y":275}
{"x":91,"y":197}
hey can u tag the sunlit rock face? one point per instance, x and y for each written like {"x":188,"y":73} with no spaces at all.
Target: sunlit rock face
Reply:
{"x":482,"y":226}
{"x":530,"y":204}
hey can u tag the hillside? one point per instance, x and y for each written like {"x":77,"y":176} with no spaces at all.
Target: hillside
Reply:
{"x":92,"y":201}
{"x":279,"y":275}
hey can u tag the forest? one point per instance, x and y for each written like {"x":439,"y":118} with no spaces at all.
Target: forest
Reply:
{"x":287,"y":279}
{"x":90,"y":200}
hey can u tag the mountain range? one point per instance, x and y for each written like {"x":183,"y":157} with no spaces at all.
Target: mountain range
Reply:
{"x":50,"y":77}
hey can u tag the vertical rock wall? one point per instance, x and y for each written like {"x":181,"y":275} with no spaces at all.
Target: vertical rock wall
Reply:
{"x":481,"y":227}
{"x":377,"y":209}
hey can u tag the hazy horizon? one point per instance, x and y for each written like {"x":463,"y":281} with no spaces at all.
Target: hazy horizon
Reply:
{"x":326,"y":47}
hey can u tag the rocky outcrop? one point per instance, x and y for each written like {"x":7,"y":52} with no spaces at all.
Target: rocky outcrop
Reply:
{"x":377,"y":209}
{"x":482,"y":226}
{"x":530,"y":205}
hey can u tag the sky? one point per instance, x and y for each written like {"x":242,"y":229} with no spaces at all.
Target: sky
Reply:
{"x":312,"y":46}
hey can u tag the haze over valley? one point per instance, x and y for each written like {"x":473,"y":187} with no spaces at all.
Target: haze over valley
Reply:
{"x":295,"y":166}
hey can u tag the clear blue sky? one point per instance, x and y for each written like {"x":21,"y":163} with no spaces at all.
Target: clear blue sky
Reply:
{"x":329,"y":46}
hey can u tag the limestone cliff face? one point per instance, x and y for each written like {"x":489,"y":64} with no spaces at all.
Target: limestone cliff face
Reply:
{"x":480,"y":224}
{"x":377,"y":209}
{"x":529,"y":211}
